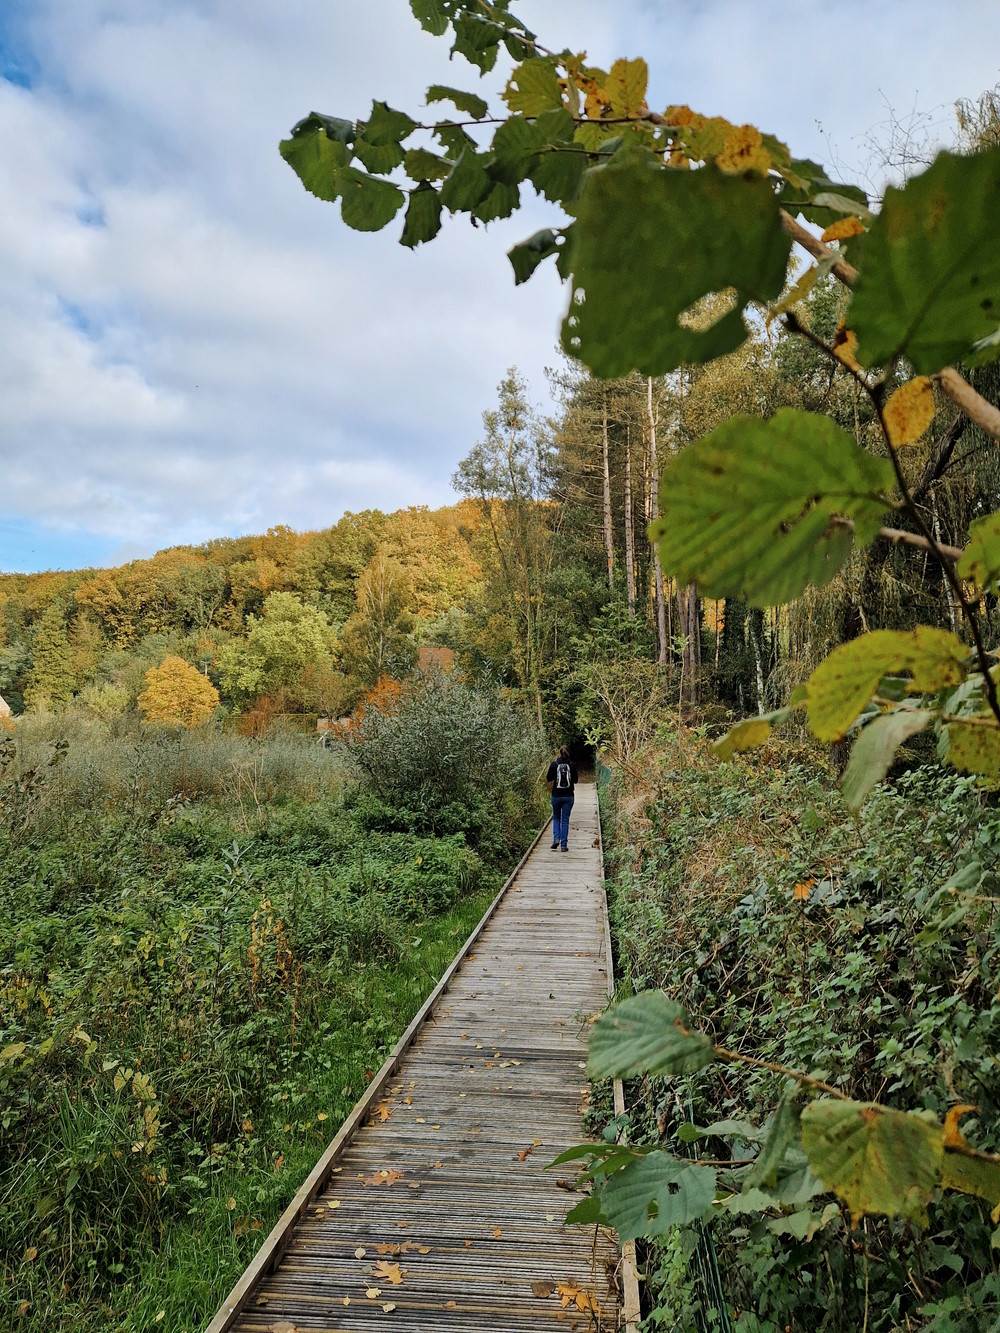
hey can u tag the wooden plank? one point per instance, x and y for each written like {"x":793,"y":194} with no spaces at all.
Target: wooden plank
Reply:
{"x":277,"y":1239}
{"x":441,"y":1169}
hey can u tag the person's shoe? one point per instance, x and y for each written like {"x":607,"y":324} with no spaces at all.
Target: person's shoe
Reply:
{"x":565,"y":849}
{"x":554,"y":847}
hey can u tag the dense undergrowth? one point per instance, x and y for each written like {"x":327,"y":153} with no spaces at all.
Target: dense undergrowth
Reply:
{"x":795,"y":932}
{"x":207,"y":946}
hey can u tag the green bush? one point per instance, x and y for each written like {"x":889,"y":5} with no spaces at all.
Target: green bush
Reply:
{"x":878,"y":976}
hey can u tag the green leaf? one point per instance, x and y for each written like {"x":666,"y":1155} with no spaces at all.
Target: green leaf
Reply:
{"x":875,"y":749}
{"x":421,"y":164}
{"x":877,"y":1160}
{"x":783,"y":1134}
{"x":533,"y":87}
{"x":467,"y":185}
{"x":974,"y":745}
{"x":386,"y":126}
{"x":317,"y":161}
{"x":431,"y":15}
{"x":379,"y":158}
{"x":500,"y":202}
{"x":514,"y":149}
{"x":844,"y":683}
{"x":812,"y":183}
{"x":477,"y":41}
{"x":423,"y":216}
{"x":557,"y":172}
{"x":646,"y":1034}
{"x":803,"y":1225}
{"x":586,"y":1212}
{"x":655,"y":1193}
{"x":749,"y":510}
{"x":527,"y":255}
{"x":469,"y":103}
{"x":972,"y":1175}
{"x":930,"y":284}
{"x":650,"y":243}
{"x":980,"y":560}
{"x":368,"y":203}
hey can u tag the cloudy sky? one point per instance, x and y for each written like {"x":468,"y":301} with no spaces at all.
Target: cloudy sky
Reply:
{"x":191,"y":346}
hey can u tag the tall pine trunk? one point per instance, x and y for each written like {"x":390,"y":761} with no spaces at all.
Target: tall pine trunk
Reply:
{"x":609,"y":531}
{"x":689,"y":618}
{"x":654,"y":511}
{"x":629,"y":526}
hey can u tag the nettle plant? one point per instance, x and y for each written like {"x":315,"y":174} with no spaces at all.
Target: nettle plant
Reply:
{"x":664,"y":209}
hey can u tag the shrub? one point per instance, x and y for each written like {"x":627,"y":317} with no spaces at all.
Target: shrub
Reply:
{"x":176,"y":694}
{"x":449,"y":757}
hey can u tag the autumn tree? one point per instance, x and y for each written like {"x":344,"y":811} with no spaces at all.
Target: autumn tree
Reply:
{"x":176,"y":694}
{"x":376,"y":639}
{"x":279,"y":646}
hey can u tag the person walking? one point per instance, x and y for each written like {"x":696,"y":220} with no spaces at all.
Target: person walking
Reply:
{"x":562,"y":778}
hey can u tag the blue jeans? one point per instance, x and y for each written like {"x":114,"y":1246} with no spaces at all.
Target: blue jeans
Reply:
{"x":561,"y":806}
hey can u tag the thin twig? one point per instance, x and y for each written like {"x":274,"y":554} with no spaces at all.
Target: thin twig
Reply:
{"x":736,"y":1057}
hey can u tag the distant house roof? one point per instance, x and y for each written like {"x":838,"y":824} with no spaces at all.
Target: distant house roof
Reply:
{"x":4,"y":707}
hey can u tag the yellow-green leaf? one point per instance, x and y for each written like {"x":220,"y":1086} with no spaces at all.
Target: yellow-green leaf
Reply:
{"x":844,"y":683}
{"x":981,"y":558}
{"x":972,"y":1175}
{"x":751,"y":732}
{"x":534,"y":87}
{"x":876,"y":1159}
{"x":626,"y":87}
{"x":909,"y":411}
{"x":974,"y":745}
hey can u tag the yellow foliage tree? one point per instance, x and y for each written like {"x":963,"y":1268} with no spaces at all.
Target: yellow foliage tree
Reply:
{"x":177,"y":695}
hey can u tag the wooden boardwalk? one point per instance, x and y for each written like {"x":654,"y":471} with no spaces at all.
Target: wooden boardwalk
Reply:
{"x":432,"y":1209}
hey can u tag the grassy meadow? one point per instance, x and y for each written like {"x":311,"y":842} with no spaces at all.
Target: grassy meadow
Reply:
{"x":207,"y":946}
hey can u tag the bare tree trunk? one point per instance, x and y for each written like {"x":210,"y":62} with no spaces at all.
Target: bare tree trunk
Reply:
{"x":609,"y":531}
{"x":629,"y":529}
{"x":654,"y":512}
{"x":690,"y":625}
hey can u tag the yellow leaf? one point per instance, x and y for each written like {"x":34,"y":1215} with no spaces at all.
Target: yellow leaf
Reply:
{"x":802,"y":890}
{"x":230,"y":1204}
{"x":360,"y":1252}
{"x":796,"y":293}
{"x":845,"y":346}
{"x":388,"y":1307}
{"x":909,"y":411}
{"x":31,"y":1254}
{"x":743,"y":150}
{"x":953,"y":1136}
{"x":496,"y":1233}
{"x":373,"y":1293}
{"x":842,"y":229}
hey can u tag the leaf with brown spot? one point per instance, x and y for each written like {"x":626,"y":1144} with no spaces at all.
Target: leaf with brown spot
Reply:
{"x":542,"y":1287}
{"x":843,"y":229}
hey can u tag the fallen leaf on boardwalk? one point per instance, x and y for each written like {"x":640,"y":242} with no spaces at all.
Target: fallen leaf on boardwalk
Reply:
{"x":550,"y":1217}
{"x":346,"y":1300}
{"x":360,"y":1252}
{"x":423,"y":1249}
{"x":571,"y":1295}
{"x":420,"y":1120}
{"x":496,"y":1233}
{"x":388,"y":1307}
{"x":261,"y":1300}
{"x":543,"y":1287}
{"x":334,"y":1203}
{"x":451,"y":1305}
{"x":525,"y":1153}
{"x":373,"y":1293}
{"x":384,"y":1177}
{"x":383,"y":1110}
{"x":407,"y":1100}
{"x":391,"y":1273}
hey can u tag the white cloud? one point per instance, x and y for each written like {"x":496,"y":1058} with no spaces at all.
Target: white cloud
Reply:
{"x":190,"y":344}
